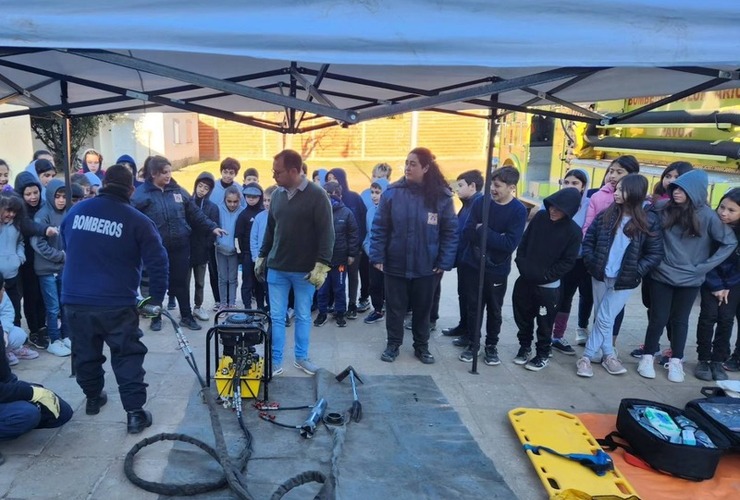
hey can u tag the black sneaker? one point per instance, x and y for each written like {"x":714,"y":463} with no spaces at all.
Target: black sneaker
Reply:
{"x":190,"y":324}
{"x":491,"y":356}
{"x":463,"y":341}
{"x":467,"y":355}
{"x":718,"y":373}
{"x":522,"y":356}
{"x":39,"y":339}
{"x":138,"y":420}
{"x":93,"y":405}
{"x":732,"y":364}
{"x":390,"y":354}
{"x":537,"y":363}
{"x":156,"y":324}
{"x":453,"y":332}
{"x":424,"y":356}
{"x":171,"y":304}
{"x":351,"y":313}
{"x":562,"y":345}
{"x":703,"y":371}
{"x":341,"y":322}
{"x":363,"y":306}
{"x":320,"y":320}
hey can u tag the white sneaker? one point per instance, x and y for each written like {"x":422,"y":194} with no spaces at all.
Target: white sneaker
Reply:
{"x":200,"y":313}
{"x":584,"y":367}
{"x":581,"y":336}
{"x":67,"y":343}
{"x":646,"y":368}
{"x":57,"y":348}
{"x":675,"y":370}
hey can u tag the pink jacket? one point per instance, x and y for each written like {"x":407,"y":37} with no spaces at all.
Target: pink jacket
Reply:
{"x":599,"y":202}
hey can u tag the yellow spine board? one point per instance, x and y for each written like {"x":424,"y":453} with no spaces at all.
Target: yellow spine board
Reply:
{"x":565,"y":433}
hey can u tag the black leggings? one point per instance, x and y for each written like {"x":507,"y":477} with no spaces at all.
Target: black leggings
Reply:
{"x":669,"y":304}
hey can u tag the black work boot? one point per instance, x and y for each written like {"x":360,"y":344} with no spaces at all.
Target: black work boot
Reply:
{"x":94,"y":404}
{"x":138,"y":420}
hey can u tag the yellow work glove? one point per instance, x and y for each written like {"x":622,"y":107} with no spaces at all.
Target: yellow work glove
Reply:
{"x":317,"y":276}
{"x":47,"y":398}
{"x":260,"y":269}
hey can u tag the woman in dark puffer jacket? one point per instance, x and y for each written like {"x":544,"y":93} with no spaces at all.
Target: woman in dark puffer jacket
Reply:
{"x":622,"y":245}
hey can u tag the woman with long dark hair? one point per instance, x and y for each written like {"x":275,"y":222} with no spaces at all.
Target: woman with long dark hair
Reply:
{"x":174,"y":214}
{"x":622,"y":245}
{"x":695,"y":241}
{"x":413,"y":240}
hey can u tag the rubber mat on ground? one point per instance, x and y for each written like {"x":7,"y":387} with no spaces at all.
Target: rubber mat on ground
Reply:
{"x":410,"y":443}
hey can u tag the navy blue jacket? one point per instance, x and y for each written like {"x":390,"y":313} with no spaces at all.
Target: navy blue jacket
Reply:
{"x":409,"y":238}
{"x":106,"y":241}
{"x":201,"y":242}
{"x":726,"y":275}
{"x":351,"y":200}
{"x":643,"y":253}
{"x":346,"y":239}
{"x":172,"y":211}
{"x":505,"y":228}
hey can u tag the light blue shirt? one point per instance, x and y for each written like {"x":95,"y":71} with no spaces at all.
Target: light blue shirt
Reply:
{"x":617,"y":250}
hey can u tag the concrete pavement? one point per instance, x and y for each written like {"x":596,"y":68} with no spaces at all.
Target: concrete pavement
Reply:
{"x":84,"y":459}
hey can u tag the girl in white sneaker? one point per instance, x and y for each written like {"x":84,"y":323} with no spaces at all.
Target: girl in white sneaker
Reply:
{"x":623,"y":244}
{"x":695,"y":242}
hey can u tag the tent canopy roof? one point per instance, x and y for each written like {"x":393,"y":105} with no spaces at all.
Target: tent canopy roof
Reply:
{"x":357,"y":60}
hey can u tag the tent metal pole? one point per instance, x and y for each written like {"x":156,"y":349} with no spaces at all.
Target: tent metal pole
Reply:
{"x":67,"y":142}
{"x":211,"y":82}
{"x":492,"y":129}
{"x":473,"y":92}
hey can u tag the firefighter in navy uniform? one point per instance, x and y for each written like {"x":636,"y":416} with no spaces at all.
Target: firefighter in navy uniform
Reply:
{"x":106,"y":241}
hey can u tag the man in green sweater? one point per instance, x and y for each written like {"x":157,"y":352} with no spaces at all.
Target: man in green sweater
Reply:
{"x":297,"y":250}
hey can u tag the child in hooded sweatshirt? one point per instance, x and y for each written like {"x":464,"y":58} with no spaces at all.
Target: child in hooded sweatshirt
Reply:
{"x":48,"y":264}
{"x":43,"y":171}
{"x":377,"y":283}
{"x":202,"y":250}
{"x":354,"y":202}
{"x":695,"y":242}
{"x":92,"y":161}
{"x":226,"y":255}
{"x":28,"y":188}
{"x":250,"y":286}
{"x":346,"y":247}
{"x":548,"y":250}
{"x":720,"y":299}
{"x":577,"y":278}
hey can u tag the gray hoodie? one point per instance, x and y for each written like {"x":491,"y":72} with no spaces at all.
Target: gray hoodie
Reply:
{"x":49,"y":249}
{"x":689,"y":258}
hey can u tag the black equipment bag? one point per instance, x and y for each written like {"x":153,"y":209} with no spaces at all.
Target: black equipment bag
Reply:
{"x":720,"y":411}
{"x":694,"y":463}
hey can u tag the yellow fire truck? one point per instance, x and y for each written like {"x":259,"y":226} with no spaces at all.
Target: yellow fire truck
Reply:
{"x":703,"y":129}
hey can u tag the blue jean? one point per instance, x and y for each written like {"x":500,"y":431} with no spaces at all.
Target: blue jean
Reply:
{"x":20,"y":417}
{"x":51,"y":285}
{"x":280,"y":283}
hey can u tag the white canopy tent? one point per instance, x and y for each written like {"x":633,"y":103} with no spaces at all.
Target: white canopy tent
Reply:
{"x":352,"y":61}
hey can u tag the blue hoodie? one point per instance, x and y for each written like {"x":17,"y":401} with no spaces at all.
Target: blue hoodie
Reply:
{"x":225,"y":244}
{"x":351,"y":200}
{"x":371,"y":209}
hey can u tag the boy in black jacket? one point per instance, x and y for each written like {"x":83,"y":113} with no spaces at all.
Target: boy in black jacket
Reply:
{"x":201,"y":245}
{"x":346,"y":247}
{"x":250,"y":285}
{"x":548,"y":250}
